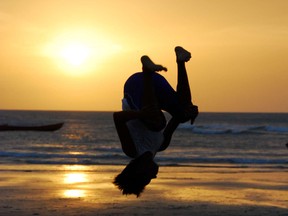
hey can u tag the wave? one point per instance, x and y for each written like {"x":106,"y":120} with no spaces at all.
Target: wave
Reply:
{"x":56,"y":156}
{"x":228,"y":160}
{"x":233,"y":129}
{"x":277,"y":129}
{"x":121,"y":159}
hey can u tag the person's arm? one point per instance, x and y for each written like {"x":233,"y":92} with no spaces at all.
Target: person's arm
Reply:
{"x":190,"y":112}
{"x":168,"y":132}
{"x":120,"y":120}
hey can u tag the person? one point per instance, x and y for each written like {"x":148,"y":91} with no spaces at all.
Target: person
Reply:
{"x":141,"y":125}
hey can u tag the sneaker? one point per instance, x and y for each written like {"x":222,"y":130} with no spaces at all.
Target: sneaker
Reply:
{"x":149,"y":65}
{"x":182,"y":54}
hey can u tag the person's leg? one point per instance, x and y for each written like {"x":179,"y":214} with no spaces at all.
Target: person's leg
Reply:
{"x":175,"y":102}
{"x":149,"y":98}
{"x":183,"y":87}
{"x":153,"y":117}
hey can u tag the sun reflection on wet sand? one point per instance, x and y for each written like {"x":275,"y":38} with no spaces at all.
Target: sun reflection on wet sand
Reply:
{"x":75,"y":179}
{"x":74,"y":193}
{"x":42,"y":190}
{"x":72,"y":178}
{"x":76,"y":167}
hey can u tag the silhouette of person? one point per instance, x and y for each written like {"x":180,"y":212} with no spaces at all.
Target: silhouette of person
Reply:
{"x":141,"y":126}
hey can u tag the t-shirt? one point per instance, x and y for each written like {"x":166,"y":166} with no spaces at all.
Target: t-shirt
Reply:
{"x":143,"y":138}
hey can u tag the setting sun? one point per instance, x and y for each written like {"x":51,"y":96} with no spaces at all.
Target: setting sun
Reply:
{"x":75,"y":53}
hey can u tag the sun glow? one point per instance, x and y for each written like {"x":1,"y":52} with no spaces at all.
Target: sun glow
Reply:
{"x":75,"y":53}
{"x":79,"y":51}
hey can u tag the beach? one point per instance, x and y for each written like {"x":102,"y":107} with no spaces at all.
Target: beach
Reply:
{"x":225,"y":164}
{"x":88,"y":190}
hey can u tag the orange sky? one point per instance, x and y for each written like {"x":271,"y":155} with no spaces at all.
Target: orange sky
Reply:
{"x":239,"y":48}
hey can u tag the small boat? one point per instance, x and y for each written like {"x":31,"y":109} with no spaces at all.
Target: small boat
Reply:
{"x":49,"y":127}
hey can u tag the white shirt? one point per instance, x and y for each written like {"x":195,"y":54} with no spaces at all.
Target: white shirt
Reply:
{"x":143,"y":138}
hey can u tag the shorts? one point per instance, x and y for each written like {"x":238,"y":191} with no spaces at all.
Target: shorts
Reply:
{"x":167,"y":97}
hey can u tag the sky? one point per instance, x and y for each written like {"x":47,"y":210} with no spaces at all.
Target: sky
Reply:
{"x":77,"y":54}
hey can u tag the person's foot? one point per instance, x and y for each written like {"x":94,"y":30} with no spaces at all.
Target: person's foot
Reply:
{"x":182,"y":55}
{"x":149,"y":65}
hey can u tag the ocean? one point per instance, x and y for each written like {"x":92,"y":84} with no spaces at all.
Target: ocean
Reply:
{"x":89,"y":138}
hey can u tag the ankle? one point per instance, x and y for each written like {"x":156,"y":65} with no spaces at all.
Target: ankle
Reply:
{"x":180,"y":63}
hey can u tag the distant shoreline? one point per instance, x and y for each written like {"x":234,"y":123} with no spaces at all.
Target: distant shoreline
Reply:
{"x":111,"y":111}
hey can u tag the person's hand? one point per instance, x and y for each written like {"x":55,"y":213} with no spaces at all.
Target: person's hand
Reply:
{"x":153,"y":118}
{"x":191,"y":112}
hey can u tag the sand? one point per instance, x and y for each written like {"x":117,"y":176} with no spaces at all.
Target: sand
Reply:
{"x":87,"y":190}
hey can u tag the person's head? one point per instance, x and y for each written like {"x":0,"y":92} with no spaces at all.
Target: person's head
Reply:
{"x":137,"y":174}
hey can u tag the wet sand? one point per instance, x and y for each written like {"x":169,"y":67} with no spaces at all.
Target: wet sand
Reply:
{"x":87,"y":190}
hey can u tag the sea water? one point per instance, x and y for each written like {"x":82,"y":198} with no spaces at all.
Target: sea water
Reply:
{"x":90,"y":138}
